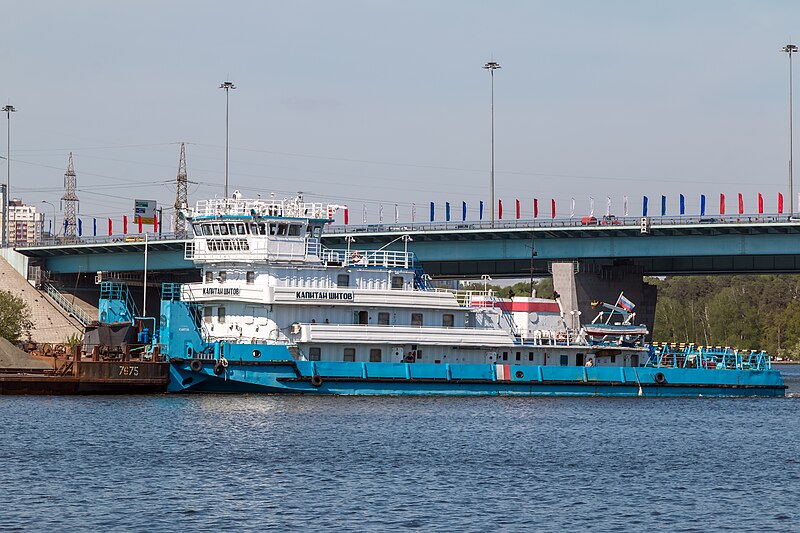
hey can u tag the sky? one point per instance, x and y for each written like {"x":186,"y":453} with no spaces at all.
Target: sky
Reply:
{"x":370,"y":103}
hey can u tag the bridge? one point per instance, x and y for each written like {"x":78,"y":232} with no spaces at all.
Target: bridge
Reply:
{"x":652,"y":246}
{"x":608,"y":258}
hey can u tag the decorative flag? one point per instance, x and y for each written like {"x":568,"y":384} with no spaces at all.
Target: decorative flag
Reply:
{"x":380,"y":213}
{"x":413,"y":212}
{"x":535,"y":207}
{"x":396,"y":214}
{"x":432,"y":211}
{"x":50,"y":227}
{"x":644,"y":206}
{"x":591,"y":206}
{"x":463,"y":211}
{"x":364,"y":214}
{"x":110,"y":228}
{"x":625,"y":205}
{"x":780,"y":203}
{"x":500,"y":209}
{"x":552,"y":208}
{"x":572,"y":209}
{"x":139,"y":221}
{"x":346,"y":215}
{"x":480,"y":210}
{"x":721,"y":204}
{"x":702,"y":205}
{"x":741,"y":204}
{"x":516,"y":205}
{"x":663,"y":205}
{"x":124,"y":224}
{"x":66,"y":224}
{"x":760,"y":204}
{"x":447,"y":211}
{"x":80,"y":227}
{"x":608,"y":206}
{"x":94,"y":227}
{"x":683,"y":205}
{"x":155,"y":223}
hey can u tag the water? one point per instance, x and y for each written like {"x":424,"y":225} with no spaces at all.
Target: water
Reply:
{"x":163,"y":463}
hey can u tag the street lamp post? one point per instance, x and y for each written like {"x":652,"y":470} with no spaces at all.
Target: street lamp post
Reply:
{"x":227,"y":86}
{"x":790,"y":49}
{"x":491,"y":66}
{"x":52,"y":232}
{"x":8,"y":109}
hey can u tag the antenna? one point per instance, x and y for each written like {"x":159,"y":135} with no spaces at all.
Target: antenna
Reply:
{"x":181,"y":197}
{"x":70,"y":202}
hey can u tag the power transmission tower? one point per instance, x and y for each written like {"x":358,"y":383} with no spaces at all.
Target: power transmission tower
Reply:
{"x":181,"y":197}
{"x":69,"y":202}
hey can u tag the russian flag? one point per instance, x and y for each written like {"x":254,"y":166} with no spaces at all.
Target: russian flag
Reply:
{"x":625,"y":303}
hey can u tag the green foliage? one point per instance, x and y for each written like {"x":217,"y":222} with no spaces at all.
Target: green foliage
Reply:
{"x":15,"y":317}
{"x":747,"y":312}
{"x":72,"y":341}
{"x":543,"y":287}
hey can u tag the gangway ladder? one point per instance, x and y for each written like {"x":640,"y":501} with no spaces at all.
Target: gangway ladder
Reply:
{"x":504,"y":312}
{"x":74,"y":311}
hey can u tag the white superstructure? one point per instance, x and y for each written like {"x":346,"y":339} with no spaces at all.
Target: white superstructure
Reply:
{"x":267,"y":279}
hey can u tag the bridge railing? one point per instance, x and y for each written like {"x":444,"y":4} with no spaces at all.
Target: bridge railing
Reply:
{"x":100,"y":239}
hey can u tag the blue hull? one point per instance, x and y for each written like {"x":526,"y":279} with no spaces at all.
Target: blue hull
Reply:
{"x":424,"y":379}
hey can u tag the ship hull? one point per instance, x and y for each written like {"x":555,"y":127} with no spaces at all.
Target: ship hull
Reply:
{"x":420,"y":379}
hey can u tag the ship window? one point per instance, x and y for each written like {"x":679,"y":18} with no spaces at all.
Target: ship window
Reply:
{"x":221,"y":315}
{"x":215,"y":229}
{"x":383,"y":319}
{"x":349,"y":354}
{"x":209,"y":276}
{"x":223,"y":275}
{"x":208,"y":312}
{"x":283,"y":229}
{"x":262,"y":228}
{"x":613,"y":358}
{"x":223,"y":229}
{"x":251,"y":277}
{"x":579,"y":359}
{"x":241,"y":229}
{"x":397,"y":282}
{"x":564,"y":360}
{"x":343,"y":280}
{"x":530,"y":356}
{"x":375,"y":355}
{"x":505,"y":356}
{"x":416,"y":319}
{"x":273,"y":228}
{"x":519,"y":356}
{"x":314,"y":353}
{"x":448,"y":320}
{"x":253,"y":228}
{"x":206,"y":229}
{"x":294,"y":230}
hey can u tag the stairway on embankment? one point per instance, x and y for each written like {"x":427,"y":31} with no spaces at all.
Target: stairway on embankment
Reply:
{"x":51,"y":324}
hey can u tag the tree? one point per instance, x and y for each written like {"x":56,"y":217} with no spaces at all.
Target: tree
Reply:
{"x":15,"y":317}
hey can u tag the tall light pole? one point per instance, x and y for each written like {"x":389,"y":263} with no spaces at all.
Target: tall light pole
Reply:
{"x":8,"y":109}
{"x":228,"y":85}
{"x":53,"y":230}
{"x":790,"y":49}
{"x":491,"y":66}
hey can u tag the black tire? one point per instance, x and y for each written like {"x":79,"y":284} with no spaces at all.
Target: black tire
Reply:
{"x":196,"y":365}
{"x":316,"y":380}
{"x":219,"y":368}
{"x":660,"y":378}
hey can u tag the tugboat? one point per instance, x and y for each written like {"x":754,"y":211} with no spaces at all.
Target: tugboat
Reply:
{"x":276,"y":312}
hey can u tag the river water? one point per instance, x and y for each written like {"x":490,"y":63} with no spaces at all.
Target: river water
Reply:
{"x":249,"y":462}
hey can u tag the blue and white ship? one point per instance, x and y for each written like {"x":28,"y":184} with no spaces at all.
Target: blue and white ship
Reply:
{"x":276,"y":312}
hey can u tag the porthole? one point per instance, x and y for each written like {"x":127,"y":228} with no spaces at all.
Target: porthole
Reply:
{"x":256,"y":353}
{"x":519,"y":374}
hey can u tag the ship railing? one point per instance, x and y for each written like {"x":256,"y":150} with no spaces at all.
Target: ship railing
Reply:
{"x":545,"y":337}
{"x":290,"y":208}
{"x":710,"y":357}
{"x":369,"y":258}
{"x":73,"y":310}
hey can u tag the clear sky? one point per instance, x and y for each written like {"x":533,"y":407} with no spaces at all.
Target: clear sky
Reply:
{"x":384,"y":102}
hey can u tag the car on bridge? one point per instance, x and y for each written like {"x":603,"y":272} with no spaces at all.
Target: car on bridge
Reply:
{"x":610,"y":220}
{"x":589,"y":221}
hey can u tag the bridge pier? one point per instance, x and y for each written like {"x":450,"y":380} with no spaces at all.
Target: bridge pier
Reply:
{"x":580,"y":284}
